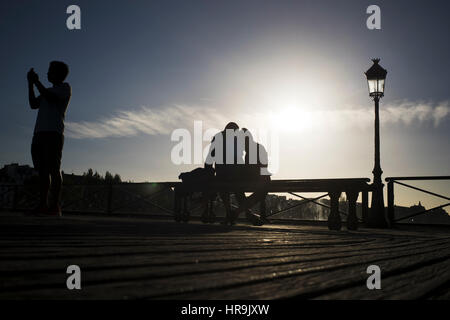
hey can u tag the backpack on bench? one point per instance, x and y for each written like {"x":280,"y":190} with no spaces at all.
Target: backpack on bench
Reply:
{"x":198,"y":175}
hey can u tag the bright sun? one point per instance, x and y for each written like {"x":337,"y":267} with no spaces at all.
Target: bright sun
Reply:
{"x":293,"y":105}
{"x":292,"y":119}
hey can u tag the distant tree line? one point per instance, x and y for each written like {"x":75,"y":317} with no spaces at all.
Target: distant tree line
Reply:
{"x":92,"y":177}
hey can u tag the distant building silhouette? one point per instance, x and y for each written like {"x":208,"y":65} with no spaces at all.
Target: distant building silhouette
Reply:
{"x":436,"y":216}
{"x":18,"y":174}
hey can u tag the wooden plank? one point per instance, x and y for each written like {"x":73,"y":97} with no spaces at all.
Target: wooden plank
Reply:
{"x":151,"y":259}
{"x":311,"y":283}
{"x":141,"y":258}
{"x":144,"y":282}
{"x":416,"y":284}
{"x":176,"y":264}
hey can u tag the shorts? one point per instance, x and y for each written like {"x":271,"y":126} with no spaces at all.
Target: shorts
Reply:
{"x":46,"y":151}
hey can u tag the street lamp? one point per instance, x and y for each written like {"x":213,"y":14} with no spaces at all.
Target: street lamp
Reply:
{"x":376,"y":77}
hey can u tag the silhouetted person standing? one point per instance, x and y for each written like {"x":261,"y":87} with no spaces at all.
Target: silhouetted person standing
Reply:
{"x":48,"y":138}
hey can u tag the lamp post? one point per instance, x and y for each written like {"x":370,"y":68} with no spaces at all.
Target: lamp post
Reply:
{"x":376,"y":77}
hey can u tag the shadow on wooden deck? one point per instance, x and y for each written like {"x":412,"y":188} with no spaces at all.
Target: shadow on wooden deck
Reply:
{"x":129,"y":258}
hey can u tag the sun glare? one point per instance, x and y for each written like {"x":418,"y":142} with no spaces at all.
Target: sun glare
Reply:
{"x":293,"y":104}
{"x":292,"y":119}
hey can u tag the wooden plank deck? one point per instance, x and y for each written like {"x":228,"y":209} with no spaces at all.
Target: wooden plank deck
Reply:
{"x":128,"y":258}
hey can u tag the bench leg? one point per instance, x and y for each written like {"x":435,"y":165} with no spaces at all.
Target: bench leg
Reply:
{"x":177,"y":205}
{"x":352,"y":220}
{"x":365,"y":207}
{"x":334,"y":219}
{"x":186,"y":213}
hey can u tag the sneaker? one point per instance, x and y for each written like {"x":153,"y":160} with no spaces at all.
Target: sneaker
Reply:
{"x":255,"y":219}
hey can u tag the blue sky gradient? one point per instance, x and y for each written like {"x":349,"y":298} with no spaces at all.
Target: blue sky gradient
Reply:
{"x":233,"y":60}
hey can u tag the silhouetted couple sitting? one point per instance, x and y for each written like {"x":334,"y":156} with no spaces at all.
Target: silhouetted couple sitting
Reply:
{"x":237,"y":158}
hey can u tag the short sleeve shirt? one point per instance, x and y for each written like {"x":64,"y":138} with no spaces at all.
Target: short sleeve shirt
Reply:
{"x":51,"y":114}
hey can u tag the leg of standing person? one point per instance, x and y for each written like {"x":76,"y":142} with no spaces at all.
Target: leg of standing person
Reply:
{"x":55,"y":146}
{"x":44,"y":187}
{"x":56,"y":183}
{"x":38,"y":154}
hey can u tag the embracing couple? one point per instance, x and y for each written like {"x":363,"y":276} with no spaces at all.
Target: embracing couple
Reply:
{"x":237,"y":157}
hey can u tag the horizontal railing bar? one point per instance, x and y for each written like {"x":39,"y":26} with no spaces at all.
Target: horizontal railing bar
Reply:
{"x":419,"y":178}
{"x":175,"y":183}
{"x":95,"y":184}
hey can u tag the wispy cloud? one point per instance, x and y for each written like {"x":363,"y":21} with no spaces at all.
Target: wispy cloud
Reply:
{"x":409,"y":112}
{"x":145,"y":120}
{"x":163,"y":121}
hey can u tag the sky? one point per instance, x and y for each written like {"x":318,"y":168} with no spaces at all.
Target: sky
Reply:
{"x":290,"y":69}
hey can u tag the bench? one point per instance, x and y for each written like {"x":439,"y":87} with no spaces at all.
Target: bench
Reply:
{"x":333,"y":187}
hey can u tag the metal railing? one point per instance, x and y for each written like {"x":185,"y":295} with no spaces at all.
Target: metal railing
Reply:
{"x":157,"y":198}
{"x":95,"y":198}
{"x":315,"y":201}
{"x":390,"y":195}
{"x":129,"y":198}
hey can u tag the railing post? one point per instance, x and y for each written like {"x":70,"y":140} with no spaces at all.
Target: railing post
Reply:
{"x":109,"y":198}
{"x":15,"y":197}
{"x":365,"y":206}
{"x":352,"y":220}
{"x":334,"y":219}
{"x":390,"y":202}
